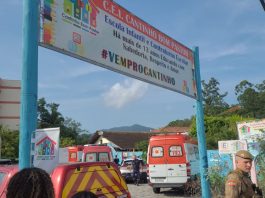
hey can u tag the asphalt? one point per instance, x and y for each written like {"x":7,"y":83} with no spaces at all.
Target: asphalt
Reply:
{"x":145,"y":191}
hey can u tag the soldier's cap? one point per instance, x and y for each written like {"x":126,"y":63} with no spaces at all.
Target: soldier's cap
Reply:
{"x":244,"y":154}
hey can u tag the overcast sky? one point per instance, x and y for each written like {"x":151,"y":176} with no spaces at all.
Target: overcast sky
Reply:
{"x":229,"y":33}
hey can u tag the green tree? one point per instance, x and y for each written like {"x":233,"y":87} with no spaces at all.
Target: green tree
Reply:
{"x":48,"y":114}
{"x":66,"y":141}
{"x":251,"y":99}
{"x":180,"y":123}
{"x":218,"y":128}
{"x":142,"y":146}
{"x":217,"y":181}
{"x":83,"y":139}
{"x":70,"y":130}
{"x":9,"y":147}
{"x":213,"y":100}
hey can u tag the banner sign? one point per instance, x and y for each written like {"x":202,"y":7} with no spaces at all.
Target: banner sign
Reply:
{"x":103,"y":33}
{"x":46,"y":149}
{"x":251,"y":131}
{"x":231,"y":146}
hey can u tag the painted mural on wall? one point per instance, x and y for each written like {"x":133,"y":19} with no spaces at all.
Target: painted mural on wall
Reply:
{"x":251,"y":131}
{"x":222,"y":163}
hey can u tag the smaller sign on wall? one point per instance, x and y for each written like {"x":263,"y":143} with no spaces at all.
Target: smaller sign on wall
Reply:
{"x":251,"y":131}
{"x":231,"y":146}
{"x":46,"y":149}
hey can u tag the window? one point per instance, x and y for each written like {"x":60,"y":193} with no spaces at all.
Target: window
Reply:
{"x":157,"y":151}
{"x":196,"y":152}
{"x":2,"y":176}
{"x":175,"y":151}
{"x":91,"y":157}
{"x":73,"y":155}
{"x":128,"y":163}
{"x":103,"y":157}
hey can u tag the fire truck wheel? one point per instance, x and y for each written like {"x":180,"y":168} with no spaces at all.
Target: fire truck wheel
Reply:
{"x":156,"y":190}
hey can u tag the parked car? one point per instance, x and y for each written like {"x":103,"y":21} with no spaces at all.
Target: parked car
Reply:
{"x":6,"y":172}
{"x":127,"y":170}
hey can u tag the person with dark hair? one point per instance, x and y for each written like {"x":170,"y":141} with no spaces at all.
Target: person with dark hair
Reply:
{"x":84,"y":194}
{"x":116,"y":160}
{"x":30,"y":183}
{"x":136,"y":165}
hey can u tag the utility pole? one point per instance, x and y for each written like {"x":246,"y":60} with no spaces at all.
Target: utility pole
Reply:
{"x":29,"y":83}
{"x":205,"y":186}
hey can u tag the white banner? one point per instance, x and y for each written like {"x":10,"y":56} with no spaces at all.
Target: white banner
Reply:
{"x":251,"y":131}
{"x":103,"y":33}
{"x":46,"y":149}
{"x":231,"y":146}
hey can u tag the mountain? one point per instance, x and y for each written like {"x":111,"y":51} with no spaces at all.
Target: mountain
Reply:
{"x":133,"y":128}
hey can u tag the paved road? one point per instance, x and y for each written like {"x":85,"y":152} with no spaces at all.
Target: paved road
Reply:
{"x":145,"y":191}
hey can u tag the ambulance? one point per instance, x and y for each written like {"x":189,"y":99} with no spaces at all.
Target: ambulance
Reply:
{"x":101,"y":178}
{"x":97,"y":153}
{"x":71,"y":154}
{"x":173,"y":162}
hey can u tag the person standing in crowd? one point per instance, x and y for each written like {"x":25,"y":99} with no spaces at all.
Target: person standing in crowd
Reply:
{"x":30,"y":183}
{"x":136,"y":165}
{"x":116,"y":160}
{"x":238,"y":183}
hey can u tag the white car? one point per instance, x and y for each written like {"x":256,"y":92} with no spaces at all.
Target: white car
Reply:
{"x":127,"y":170}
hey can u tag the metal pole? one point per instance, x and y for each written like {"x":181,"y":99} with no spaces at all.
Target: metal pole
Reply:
{"x":29,"y":87}
{"x":200,"y":129}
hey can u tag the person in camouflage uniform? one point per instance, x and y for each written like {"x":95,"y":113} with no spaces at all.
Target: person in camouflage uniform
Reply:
{"x":238,"y":183}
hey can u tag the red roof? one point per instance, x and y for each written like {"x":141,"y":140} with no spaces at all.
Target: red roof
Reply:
{"x":45,"y":139}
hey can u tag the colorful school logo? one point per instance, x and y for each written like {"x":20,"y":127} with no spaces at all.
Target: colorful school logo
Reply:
{"x":84,"y":10}
{"x":48,"y":26}
{"x":45,"y":148}
{"x":244,"y":129}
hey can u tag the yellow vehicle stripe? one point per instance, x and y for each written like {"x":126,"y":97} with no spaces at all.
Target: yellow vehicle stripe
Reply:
{"x":70,"y":183}
{"x":78,"y":183}
{"x":84,"y":181}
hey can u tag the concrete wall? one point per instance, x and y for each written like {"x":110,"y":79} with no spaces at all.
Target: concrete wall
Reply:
{"x":10,"y":103}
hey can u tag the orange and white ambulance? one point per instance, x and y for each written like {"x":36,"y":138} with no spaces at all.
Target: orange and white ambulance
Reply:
{"x":71,"y":154}
{"x":173,"y":161}
{"x":97,"y":153}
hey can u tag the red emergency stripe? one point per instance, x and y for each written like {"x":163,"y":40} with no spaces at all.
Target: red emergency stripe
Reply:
{"x":90,"y":182}
{"x":115,"y":181}
{"x":79,"y":179}
{"x":69,"y":174}
{"x":95,"y":176}
{"x":102,"y":181}
{"x":89,"y":178}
